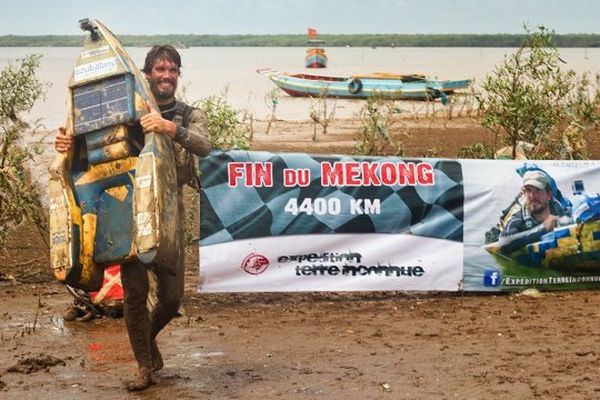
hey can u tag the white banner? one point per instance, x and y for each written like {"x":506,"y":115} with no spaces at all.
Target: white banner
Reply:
{"x":337,"y":262}
{"x":300,"y":222}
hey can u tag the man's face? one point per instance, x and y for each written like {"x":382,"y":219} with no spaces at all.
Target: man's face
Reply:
{"x":163,"y":79}
{"x":538,"y":200}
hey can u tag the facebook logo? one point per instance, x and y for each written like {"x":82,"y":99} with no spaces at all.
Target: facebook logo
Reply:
{"x":491,"y":278}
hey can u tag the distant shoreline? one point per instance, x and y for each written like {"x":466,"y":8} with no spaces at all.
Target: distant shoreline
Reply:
{"x":356,"y":40}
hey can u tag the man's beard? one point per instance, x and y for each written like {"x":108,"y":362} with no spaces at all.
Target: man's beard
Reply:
{"x":162,"y":94}
{"x":537,"y":209}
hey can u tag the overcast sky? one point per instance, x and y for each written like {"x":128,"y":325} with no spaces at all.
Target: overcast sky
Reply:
{"x":145,"y":17}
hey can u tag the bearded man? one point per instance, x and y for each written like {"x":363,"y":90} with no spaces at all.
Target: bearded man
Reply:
{"x":539,"y":215}
{"x":186,"y":127}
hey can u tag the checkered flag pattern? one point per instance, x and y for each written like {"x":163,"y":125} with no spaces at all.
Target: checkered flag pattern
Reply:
{"x":232,"y":213}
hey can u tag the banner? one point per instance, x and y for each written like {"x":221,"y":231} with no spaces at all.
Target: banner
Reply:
{"x":299,"y":222}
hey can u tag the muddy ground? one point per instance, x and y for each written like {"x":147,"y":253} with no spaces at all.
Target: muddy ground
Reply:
{"x":355,"y":346}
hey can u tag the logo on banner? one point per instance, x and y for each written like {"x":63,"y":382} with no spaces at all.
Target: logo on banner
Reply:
{"x":492,"y":277}
{"x":255,"y":264}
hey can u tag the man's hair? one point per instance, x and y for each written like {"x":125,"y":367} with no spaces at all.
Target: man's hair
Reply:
{"x":162,"y":52}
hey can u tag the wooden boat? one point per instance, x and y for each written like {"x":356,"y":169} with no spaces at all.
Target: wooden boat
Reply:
{"x":394,"y":86}
{"x":111,"y":196}
{"x":315,"y":55}
{"x":315,"y":58}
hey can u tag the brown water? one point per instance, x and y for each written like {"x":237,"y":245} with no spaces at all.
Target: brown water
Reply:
{"x":218,"y":70}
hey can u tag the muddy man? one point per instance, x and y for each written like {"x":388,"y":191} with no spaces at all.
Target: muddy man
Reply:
{"x":187,"y":128}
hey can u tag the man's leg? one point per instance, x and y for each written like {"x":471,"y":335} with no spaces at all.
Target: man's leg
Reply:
{"x":169,"y":292}
{"x":134,"y":277}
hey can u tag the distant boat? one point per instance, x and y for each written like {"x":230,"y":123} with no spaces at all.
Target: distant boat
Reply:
{"x":315,"y":58}
{"x":393,"y":86}
{"x":315,"y":55}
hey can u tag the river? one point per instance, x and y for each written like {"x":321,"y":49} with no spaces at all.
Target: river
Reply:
{"x":231,"y":72}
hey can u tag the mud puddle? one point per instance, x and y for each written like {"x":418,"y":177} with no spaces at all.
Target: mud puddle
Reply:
{"x":42,"y":355}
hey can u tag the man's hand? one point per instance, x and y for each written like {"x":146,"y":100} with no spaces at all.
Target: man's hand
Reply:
{"x":550,"y":222}
{"x":154,"y":122}
{"x":63,"y":142}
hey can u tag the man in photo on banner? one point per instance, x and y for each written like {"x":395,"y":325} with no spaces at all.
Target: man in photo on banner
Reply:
{"x":540,"y":214}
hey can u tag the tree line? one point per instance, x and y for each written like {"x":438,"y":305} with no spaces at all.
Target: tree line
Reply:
{"x":355,"y":40}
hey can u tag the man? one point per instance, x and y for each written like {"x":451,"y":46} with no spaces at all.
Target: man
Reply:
{"x":187,"y":128}
{"x":539,"y":214}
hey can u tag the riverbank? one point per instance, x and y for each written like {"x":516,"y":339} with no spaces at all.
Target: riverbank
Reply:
{"x":423,"y":136}
{"x":356,"y":346}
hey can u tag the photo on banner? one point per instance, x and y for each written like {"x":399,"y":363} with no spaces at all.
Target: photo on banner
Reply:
{"x":507,"y":246}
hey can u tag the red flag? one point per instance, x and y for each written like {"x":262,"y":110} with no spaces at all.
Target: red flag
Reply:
{"x":312,"y":32}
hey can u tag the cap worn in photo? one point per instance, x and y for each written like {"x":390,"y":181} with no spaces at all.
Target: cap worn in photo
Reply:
{"x":536,"y":179}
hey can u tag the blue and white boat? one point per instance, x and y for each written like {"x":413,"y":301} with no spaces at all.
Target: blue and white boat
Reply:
{"x":394,"y":86}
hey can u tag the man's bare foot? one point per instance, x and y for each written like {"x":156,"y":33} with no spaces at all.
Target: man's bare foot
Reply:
{"x":157,"y":361}
{"x":141,"y":381}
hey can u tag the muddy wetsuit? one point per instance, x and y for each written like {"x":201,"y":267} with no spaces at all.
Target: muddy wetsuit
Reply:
{"x":191,"y":138}
{"x":522,"y":228}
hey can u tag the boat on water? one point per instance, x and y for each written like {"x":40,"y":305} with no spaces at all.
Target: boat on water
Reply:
{"x":389,"y":85}
{"x":315,"y":57}
{"x":111,"y":194}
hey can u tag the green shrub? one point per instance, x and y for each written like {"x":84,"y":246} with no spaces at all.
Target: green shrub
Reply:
{"x":319,"y":113}
{"x":223,"y":125}
{"x":19,"y":198}
{"x":529,"y":98}
{"x":476,"y":150}
{"x":585,"y":100}
{"x":375,"y":135}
